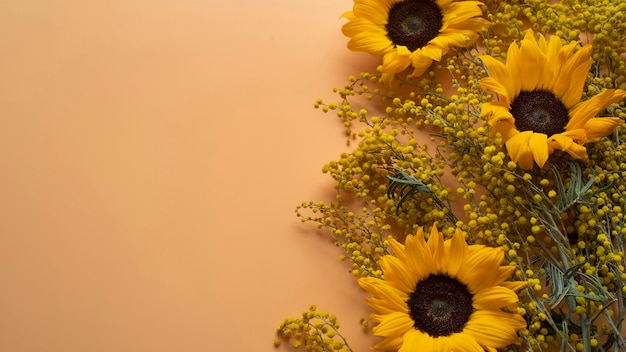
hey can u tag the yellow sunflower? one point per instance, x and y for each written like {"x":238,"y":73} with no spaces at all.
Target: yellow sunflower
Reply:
{"x":443,"y":296}
{"x":539,"y":108}
{"x":411,"y":32}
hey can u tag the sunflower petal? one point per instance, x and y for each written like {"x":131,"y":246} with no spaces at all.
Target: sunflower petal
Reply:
{"x":380,"y":288}
{"x":551,"y":71}
{"x":387,"y":305}
{"x":601,"y":127}
{"x":559,"y":83}
{"x":370,"y":284}
{"x":514,"y":285}
{"x":539,"y":145}
{"x":420,"y":62}
{"x":578,"y":135}
{"x":440,"y":252}
{"x":514,"y":61}
{"x":449,"y":37}
{"x":441,"y":344}
{"x":586,"y":110}
{"x":494,"y":298}
{"x":577,"y":151}
{"x":494,"y":328}
{"x":432,"y":52}
{"x":393,"y":324}
{"x":574,"y":73}
{"x":398,"y":249}
{"x":390,"y":343}
{"x":476,"y":272}
{"x":574,"y":149}
{"x":415,"y":340}
{"x":395,"y":61}
{"x":519,"y":149}
{"x":458,"y":252}
{"x":496,"y":111}
{"x":504,"y":272}
{"x":419,"y":255}
{"x":560,"y":142}
{"x":506,"y":128}
{"x":443,"y":4}
{"x":464,"y":342}
{"x":361,"y":25}
{"x":531,"y":66}
{"x":374,"y":10}
{"x":397,"y":274}
{"x":492,"y":84}
{"x":371,"y":43}
{"x":460,"y":11}
{"x":387,"y":301}
{"x":577,"y":77}
{"x":349,"y":15}
{"x":498,"y":71}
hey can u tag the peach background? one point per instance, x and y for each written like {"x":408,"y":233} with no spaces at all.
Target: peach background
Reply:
{"x":151,"y":154}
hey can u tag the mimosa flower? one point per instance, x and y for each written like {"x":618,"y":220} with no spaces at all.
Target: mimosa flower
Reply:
{"x":539,"y":107}
{"x":411,"y":32}
{"x":443,"y":296}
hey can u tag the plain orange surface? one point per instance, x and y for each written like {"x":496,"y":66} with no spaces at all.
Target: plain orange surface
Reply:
{"x":152,"y":153}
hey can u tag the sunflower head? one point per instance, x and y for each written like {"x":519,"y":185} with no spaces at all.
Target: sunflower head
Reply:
{"x":441,"y":295}
{"x":539,"y":107}
{"x":411,"y":32}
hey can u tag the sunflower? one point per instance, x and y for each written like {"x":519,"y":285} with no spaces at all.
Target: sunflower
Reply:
{"x":411,"y":32}
{"x":539,"y":107}
{"x":443,"y":296}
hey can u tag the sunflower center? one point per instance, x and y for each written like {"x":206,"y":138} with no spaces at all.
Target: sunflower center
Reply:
{"x":440,"y":309}
{"x":440,"y":305}
{"x":539,"y":111}
{"x":413,"y":23}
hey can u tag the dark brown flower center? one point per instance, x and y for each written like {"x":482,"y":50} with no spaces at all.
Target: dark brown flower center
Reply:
{"x":539,"y":111}
{"x":413,"y":23}
{"x":440,"y":305}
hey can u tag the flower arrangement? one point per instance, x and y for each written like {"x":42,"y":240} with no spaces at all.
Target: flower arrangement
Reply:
{"x":482,"y":207}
